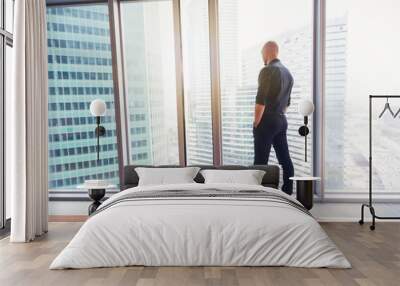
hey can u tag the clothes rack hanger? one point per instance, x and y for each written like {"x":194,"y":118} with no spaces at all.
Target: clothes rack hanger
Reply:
{"x":387,"y":107}
{"x":397,"y":113}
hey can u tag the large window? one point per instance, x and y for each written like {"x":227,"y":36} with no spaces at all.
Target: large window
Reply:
{"x":244,"y":27}
{"x":150,"y":98}
{"x":362,"y":58}
{"x":167,"y":48}
{"x":6,"y":44}
{"x":197,"y":81}
{"x":80,"y":70}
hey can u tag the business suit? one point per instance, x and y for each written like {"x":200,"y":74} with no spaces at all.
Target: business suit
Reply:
{"x":274,"y":88}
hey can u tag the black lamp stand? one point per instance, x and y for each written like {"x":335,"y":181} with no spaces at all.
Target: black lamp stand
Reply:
{"x":304,"y":131}
{"x":99,"y":131}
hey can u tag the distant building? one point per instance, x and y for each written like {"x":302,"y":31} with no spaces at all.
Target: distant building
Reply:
{"x":238,"y":77}
{"x":335,"y":103}
{"x":197,"y":82}
{"x":146,"y":89}
{"x":79,"y":57}
{"x":296,"y":54}
{"x":80,"y":70}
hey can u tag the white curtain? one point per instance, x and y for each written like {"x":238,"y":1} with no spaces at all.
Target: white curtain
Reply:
{"x":26,"y":120}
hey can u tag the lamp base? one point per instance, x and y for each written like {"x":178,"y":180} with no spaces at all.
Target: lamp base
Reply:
{"x":96,"y":195}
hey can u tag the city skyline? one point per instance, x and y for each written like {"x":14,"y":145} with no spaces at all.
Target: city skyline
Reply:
{"x":80,"y":70}
{"x":146,"y":92}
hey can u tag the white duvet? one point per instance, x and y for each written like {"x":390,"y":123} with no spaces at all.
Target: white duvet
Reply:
{"x":200,"y":231}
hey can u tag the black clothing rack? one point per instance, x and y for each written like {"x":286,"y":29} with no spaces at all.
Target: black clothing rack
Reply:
{"x":370,"y":203}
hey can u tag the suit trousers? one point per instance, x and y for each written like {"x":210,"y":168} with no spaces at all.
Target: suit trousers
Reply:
{"x":272,"y":131}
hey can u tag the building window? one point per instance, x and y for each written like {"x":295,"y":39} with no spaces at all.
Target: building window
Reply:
{"x":243,"y":30}
{"x":197,"y":82}
{"x":80,"y":70}
{"x":349,"y":80}
{"x":150,"y":72}
{"x":73,"y":86}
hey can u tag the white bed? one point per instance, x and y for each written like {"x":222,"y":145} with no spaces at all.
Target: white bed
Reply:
{"x":202,"y":231}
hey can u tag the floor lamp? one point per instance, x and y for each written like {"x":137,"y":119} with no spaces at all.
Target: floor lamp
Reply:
{"x":306,"y":108}
{"x":98,"y":108}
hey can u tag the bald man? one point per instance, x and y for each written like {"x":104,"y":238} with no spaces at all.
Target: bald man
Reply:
{"x":270,"y":125}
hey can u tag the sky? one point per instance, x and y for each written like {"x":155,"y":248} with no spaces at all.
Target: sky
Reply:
{"x":373,"y":46}
{"x":261,"y":20}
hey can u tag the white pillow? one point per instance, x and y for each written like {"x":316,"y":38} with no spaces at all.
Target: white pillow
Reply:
{"x":166,"y":176}
{"x":248,"y":177}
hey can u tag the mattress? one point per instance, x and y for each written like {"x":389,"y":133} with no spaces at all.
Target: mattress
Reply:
{"x":201,"y":225}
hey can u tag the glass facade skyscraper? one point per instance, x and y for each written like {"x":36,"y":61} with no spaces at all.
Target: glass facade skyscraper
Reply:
{"x":80,"y":70}
{"x":150,"y":96}
{"x":197,"y":81}
{"x":239,"y":73}
{"x":335,"y":92}
{"x":296,"y":54}
{"x":349,"y":80}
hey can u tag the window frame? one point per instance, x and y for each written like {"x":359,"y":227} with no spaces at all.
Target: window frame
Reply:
{"x":6,"y":40}
{"x":71,"y":194}
{"x":120,"y":86}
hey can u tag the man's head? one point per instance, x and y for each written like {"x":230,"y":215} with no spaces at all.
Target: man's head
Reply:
{"x":270,"y":51}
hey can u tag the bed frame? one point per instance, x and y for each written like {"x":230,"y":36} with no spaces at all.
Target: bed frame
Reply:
{"x":270,"y":179}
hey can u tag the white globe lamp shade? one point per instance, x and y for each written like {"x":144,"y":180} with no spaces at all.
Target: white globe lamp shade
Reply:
{"x":306,"y":107}
{"x":98,"y":107}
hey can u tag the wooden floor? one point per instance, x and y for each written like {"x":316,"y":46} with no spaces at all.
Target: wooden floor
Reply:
{"x":375,"y":257}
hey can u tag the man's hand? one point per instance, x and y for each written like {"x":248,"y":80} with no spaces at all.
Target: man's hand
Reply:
{"x":258,"y":113}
